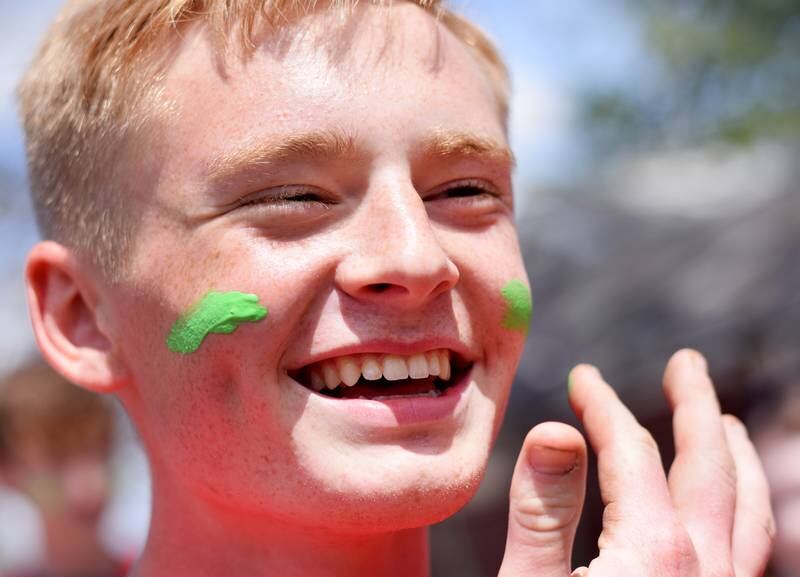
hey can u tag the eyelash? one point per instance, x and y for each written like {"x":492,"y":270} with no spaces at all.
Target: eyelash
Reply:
{"x":286,"y":195}
{"x":477,"y":191}
{"x":478,"y":187}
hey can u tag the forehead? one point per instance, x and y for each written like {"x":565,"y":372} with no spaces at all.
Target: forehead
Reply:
{"x":376,"y":71}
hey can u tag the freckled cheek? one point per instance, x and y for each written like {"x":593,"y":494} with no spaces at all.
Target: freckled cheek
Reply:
{"x":169,"y":283}
{"x":487,"y":262}
{"x":287,"y":286}
{"x":291,"y":276}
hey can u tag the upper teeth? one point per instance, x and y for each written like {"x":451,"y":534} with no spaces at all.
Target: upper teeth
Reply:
{"x":349,"y":369}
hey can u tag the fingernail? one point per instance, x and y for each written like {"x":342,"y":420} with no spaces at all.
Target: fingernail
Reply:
{"x":735,"y":424}
{"x":699,"y":362}
{"x":582,"y":367}
{"x":552,"y":461}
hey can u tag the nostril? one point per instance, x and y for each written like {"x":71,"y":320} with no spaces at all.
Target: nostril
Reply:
{"x":380,"y":287}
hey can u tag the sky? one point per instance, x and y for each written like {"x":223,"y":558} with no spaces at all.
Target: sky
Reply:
{"x":554,"y":49}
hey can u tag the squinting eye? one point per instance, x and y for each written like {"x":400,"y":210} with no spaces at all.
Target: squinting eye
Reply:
{"x":461,"y":191}
{"x":466,"y":190}
{"x":286,"y":196}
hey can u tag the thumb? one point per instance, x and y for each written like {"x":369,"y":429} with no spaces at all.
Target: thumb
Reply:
{"x":546,"y":500}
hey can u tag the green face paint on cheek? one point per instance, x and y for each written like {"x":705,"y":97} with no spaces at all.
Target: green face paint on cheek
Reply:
{"x":218,"y":313}
{"x":519,"y":306}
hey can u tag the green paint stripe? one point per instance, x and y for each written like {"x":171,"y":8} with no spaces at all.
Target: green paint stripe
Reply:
{"x":219,"y":313}
{"x":519,"y":306}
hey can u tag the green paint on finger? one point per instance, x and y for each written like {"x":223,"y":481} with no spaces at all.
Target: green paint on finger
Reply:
{"x":519,"y":306}
{"x":219,"y":313}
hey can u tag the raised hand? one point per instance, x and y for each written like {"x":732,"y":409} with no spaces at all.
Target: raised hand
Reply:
{"x":709,"y":517}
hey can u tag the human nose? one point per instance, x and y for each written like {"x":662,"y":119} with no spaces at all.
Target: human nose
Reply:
{"x":396,"y":257}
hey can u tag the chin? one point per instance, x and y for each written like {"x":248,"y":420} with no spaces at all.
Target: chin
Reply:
{"x":397,"y":509}
{"x":404,"y":490}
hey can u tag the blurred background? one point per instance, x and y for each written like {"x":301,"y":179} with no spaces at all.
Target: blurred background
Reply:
{"x":658,"y":195}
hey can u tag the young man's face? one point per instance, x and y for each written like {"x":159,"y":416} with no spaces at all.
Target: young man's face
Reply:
{"x":355,"y":177}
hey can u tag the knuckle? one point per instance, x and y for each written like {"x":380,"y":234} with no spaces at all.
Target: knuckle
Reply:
{"x":722,"y":467}
{"x":612,"y":514}
{"x":770,"y":530}
{"x":676,"y":554}
{"x":734,"y":423}
{"x":544,"y":515}
{"x":761,"y":528}
{"x":646,"y":440}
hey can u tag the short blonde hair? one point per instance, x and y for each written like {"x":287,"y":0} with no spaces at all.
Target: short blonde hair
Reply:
{"x":96,"y":76}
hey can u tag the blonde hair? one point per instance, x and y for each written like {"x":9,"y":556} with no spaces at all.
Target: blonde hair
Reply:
{"x":94,"y":81}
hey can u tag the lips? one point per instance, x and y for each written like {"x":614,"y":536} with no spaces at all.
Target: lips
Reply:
{"x":381,"y":375}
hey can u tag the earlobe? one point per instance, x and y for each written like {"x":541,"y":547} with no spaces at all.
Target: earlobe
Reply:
{"x":65,"y":314}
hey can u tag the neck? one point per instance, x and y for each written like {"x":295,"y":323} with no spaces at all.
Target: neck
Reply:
{"x":202,"y":541}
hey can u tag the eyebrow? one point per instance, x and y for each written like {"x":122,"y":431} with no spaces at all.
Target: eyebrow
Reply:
{"x":317,"y":144}
{"x":333,"y":144}
{"x":451,"y":144}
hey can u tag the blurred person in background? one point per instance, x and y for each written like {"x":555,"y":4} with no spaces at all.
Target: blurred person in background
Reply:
{"x":55,"y":447}
{"x":777,"y":438}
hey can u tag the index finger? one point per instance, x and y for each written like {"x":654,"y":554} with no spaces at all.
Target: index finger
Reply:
{"x":632,"y":480}
{"x":702,"y":479}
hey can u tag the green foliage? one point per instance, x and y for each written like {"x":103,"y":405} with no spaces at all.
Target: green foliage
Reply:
{"x":724,"y":70}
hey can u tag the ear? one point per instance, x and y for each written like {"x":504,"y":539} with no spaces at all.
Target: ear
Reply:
{"x":67,"y":318}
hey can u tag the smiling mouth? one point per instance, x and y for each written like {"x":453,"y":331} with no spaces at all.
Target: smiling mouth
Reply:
{"x":384,"y":376}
